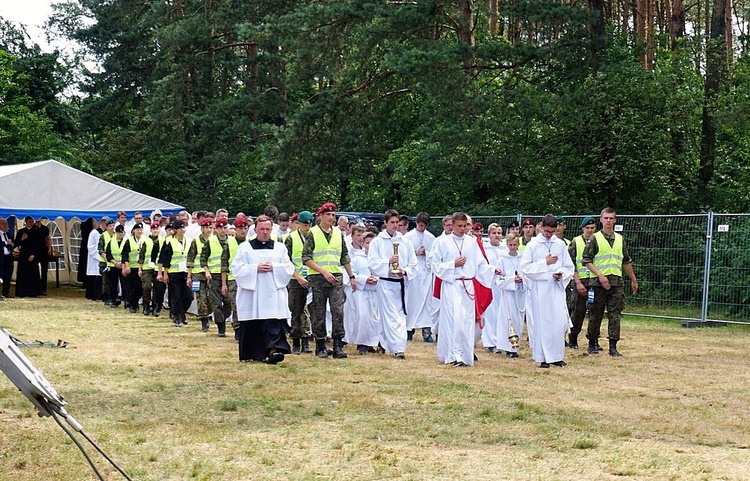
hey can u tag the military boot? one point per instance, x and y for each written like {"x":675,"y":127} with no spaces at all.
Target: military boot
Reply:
{"x":204,"y":324}
{"x":573,"y":341}
{"x":296,"y":347}
{"x":613,"y":349}
{"x":338,"y":348}
{"x":146,"y":308}
{"x":592,"y":347}
{"x":306,"y":345}
{"x":222,"y":327}
{"x":320,"y":348}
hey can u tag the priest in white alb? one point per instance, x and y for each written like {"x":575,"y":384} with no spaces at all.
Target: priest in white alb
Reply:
{"x":546,"y":268}
{"x":262,"y":270}
{"x":421,"y":305}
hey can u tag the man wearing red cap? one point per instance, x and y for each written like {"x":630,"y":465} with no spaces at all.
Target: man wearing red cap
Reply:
{"x":529,"y":229}
{"x":147,"y":266}
{"x":196,"y":272}
{"x":326,"y":257}
{"x":216,"y":276}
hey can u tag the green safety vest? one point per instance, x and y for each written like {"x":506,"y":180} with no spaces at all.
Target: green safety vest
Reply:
{"x":214,"y":256}
{"x":134,"y":251}
{"x":116,"y":250}
{"x":233,"y":245}
{"x":327,"y":255}
{"x":297,"y":245}
{"x":107,"y":239}
{"x":609,"y":258}
{"x":583,"y":272}
{"x":179,"y":255}
{"x":149,"y":242}
{"x":199,"y":248}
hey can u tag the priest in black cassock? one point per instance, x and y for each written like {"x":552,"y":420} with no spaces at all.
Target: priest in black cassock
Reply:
{"x":262,"y":269}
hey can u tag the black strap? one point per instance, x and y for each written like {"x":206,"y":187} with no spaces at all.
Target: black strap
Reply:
{"x":403,"y":295}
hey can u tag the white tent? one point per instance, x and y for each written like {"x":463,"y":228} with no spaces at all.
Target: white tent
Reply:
{"x":68,"y":197}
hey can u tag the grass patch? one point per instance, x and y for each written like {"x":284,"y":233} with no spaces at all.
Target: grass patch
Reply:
{"x":174,"y":404}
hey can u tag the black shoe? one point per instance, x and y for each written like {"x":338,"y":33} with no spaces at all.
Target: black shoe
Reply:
{"x":236,"y":335}
{"x":306,"y":345}
{"x":573,"y":346}
{"x":429,"y":339}
{"x":296,"y":347}
{"x":560,"y":363}
{"x":204,"y":325}
{"x":157,"y":310}
{"x":459,"y":364}
{"x":320,"y":348}
{"x":592,"y":348}
{"x":399,"y":355}
{"x":146,"y":309}
{"x":132,"y":310}
{"x":274,"y":358}
{"x":361,"y":349}
{"x":544,"y":365}
{"x":598,"y":347}
{"x":492,"y":349}
{"x":511,"y":354}
{"x":380,"y":349}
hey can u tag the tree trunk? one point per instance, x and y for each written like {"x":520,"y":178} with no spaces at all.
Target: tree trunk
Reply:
{"x":494,"y":11}
{"x":716,"y":71}
{"x":677,"y":23}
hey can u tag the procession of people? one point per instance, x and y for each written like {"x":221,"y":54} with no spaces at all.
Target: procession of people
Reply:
{"x":326,"y":283}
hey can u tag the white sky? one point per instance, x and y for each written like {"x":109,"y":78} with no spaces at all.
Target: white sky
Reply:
{"x":32,"y":14}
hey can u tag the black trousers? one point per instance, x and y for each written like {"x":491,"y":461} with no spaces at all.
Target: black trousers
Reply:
{"x":180,"y":295}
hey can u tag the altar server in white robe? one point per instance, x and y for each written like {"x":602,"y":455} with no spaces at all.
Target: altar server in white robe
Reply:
{"x":457,"y":261}
{"x":546,"y":268}
{"x":391,"y":291}
{"x":262,"y":270}
{"x":421,"y":310}
{"x":361,"y":321}
{"x":512,"y":297}
{"x":492,"y":316}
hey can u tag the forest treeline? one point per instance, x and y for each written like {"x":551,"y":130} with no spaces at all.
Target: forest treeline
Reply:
{"x":492,"y":106}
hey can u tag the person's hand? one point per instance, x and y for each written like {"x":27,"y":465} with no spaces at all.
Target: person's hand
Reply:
{"x":189,"y":282}
{"x":208,"y":276}
{"x":303,"y":283}
{"x":224,"y":290}
{"x":460,"y":261}
{"x":420,"y":251}
{"x":604,"y":282}
{"x":393,"y":260}
{"x":557,"y":276}
{"x":329,"y":277}
{"x":498,"y":271}
{"x":551,"y":259}
{"x":634,"y":286}
{"x":581,"y":288}
{"x":372,"y":280}
{"x":31,"y":258}
{"x":354,"y":285}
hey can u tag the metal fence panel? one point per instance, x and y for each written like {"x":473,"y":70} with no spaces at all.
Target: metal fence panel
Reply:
{"x":729,"y":291}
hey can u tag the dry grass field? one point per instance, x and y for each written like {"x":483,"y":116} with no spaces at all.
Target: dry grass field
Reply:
{"x":174,"y":404}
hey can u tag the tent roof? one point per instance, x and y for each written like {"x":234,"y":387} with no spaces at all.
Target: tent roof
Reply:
{"x":57,"y":190}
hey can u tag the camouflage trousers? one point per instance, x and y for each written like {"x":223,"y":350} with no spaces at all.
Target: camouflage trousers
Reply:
{"x":147,"y":284}
{"x":298,"y":307}
{"x":221,"y":305}
{"x":232,"y":290}
{"x":614,"y":301}
{"x":202,"y":298}
{"x":333,"y":294}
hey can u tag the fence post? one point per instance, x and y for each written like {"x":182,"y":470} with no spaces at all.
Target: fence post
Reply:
{"x":707,"y":265}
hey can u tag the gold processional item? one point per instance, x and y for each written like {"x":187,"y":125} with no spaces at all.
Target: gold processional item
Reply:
{"x":394,"y":265}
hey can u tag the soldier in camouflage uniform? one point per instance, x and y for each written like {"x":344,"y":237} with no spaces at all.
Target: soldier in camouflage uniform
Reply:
{"x":196,"y":271}
{"x":326,"y":258}
{"x":298,"y":286}
{"x":606,"y":256}
{"x":581,"y":276}
{"x":218,"y":290}
{"x":241,"y":225}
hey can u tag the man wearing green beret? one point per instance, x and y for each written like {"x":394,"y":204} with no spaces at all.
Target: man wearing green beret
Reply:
{"x":581,"y":276}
